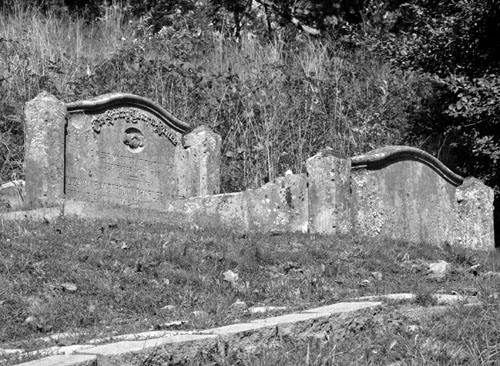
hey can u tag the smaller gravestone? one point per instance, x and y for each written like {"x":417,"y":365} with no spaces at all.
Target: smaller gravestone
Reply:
{"x":44,"y":150}
{"x":12,"y":195}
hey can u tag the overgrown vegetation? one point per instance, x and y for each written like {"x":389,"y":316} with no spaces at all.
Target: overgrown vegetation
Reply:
{"x":96,"y":279}
{"x":279,"y":80}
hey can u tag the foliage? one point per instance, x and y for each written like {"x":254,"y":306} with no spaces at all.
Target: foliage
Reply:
{"x":455,"y":43}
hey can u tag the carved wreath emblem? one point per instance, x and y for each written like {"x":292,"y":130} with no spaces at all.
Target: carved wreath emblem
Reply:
{"x":134,"y":139}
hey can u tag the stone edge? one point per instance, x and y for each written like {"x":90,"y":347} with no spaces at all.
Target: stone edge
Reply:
{"x":388,"y":155}
{"x":128,"y":100}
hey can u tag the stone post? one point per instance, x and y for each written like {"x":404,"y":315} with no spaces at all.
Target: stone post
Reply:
{"x":475,"y":222}
{"x":329,"y":193}
{"x":44,"y":150}
{"x":201,"y":163}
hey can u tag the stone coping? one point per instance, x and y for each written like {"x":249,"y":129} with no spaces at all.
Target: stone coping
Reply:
{"x":128,"y":100}
{"x":388,"y":155}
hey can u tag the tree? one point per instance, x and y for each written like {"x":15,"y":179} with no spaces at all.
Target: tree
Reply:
{"x":457,"y":44}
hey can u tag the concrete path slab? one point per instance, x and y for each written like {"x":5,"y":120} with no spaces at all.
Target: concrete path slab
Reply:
{"x":113,"y":352}
{"x":64,"y":360}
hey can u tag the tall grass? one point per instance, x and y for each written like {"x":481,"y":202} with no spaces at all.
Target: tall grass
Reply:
{"x":275,"y":103}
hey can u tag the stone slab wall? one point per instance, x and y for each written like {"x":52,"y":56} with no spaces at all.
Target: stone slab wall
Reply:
{"x":405,"y":193}
{"x":122,"y":156}
{"x":117,"y":148}
{"x":404,"y":200}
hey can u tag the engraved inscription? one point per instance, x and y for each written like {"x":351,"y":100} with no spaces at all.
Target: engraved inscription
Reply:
{"x":93,"y":190}
{"x":124,"y":155}
{"x":132,"y":116}
{"x":121,"y":179}
{"x":128,"y":167}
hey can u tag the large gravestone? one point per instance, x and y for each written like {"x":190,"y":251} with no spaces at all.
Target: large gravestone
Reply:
{"x":124,"y":149}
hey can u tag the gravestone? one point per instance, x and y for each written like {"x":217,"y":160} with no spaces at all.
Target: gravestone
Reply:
{"x":124,"y":149}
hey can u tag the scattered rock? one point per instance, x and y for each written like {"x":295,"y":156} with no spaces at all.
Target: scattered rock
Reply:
{"x":265,"y":309}
{"x":364,"y":283}
{"x":239,"y":306}
{"x":68,"y":286}
{"x":168,"y":308}
{"x":171,"y":325}
{"x":125,"y":246}
{"x":412,"y":328}
{"x":230,"y":277}
{"x":30,"y":320}
{"x":233,"y":279}
{"x":439,"y":270}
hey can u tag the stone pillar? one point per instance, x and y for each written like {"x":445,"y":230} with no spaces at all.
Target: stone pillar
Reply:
{"x":475,"y":222}
{"x":329,"y":193}
{"x":202,"y":162}
{"x":44,"y":150}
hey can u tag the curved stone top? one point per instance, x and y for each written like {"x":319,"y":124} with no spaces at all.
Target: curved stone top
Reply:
{"x":388,"y":155}
{"x":111,"y":100}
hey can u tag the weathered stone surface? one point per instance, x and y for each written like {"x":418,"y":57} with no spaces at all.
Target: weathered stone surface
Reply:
{"x":44,"y":150}
{"x":405,"y":200}
{"x":439,"y":270}
{"x":64,"y":360}
{"x":201,"y":163}
{"x":124,"y":149}
{"x":126,"y":157}
{"x":123,"y":155}
{"x":278,"y":206}
{"x":474,"y":221}
{"x":329,"y":193}
{"x":404,"y":193}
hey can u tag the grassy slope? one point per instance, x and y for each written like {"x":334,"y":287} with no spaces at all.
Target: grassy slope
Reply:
{"x":125,"y":273}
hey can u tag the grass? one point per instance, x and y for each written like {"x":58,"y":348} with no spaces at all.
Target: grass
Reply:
{"x":384,"y":336}
{"x":102,"y":279}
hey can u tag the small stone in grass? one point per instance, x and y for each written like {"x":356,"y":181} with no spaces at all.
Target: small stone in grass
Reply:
{"x":439,"y":270}
{"x":199,"y":314}
{"x":168,"y":308}
{"x":68,"y":286}
{"x":239,"y":306}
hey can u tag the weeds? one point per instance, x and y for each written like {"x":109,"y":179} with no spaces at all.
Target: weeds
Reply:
{"x":274,"y":103}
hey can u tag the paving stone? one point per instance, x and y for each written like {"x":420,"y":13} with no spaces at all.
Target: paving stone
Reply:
{"x":139,"y":346}
{"x":63,"y":360}
{"x":115,"y":351}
